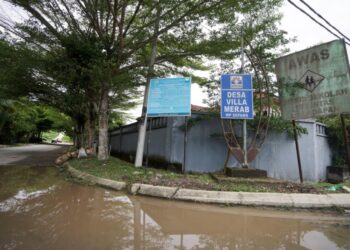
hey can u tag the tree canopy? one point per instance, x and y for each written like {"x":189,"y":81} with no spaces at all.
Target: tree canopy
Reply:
{"x":91,"y":56}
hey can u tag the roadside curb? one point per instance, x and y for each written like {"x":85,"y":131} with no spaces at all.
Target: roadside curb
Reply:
{"x":116,"y":185}
{"x":292,"y":200}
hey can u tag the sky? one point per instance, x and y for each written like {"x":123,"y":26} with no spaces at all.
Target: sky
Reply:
{"x":297,"y":24}
{"x":308,"y":32}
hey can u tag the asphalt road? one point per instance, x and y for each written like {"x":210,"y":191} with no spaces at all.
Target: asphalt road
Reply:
{"x":31,"y":155}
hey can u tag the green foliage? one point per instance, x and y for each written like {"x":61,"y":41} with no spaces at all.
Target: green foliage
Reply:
{"x":93,"y":57}
{"x":263,"y":43}
{"x":280,"y":125}
{"x":336,"y":138}
{"x":276,"y":123}
{"x":17,"y":69}
{"x":48,"y":136}
{"x":26,"y":120}
{"x":116,"y":119}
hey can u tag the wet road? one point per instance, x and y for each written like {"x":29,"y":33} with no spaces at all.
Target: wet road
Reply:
{"x":39,"y":209}
{"x":31,"y":155}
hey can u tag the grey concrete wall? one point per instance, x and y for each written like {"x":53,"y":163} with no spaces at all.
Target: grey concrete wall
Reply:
{"x":177,"y":140}
{"x":278,"y":155}
{"x":324,"y":152}
{"x":159,"y":141}
{"x":159,"y":145}
{"x":206,"y":149}
{"x":205,"y":152}
{"x":128,"y":143}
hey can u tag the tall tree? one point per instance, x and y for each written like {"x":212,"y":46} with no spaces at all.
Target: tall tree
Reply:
{"x":111,"y":40}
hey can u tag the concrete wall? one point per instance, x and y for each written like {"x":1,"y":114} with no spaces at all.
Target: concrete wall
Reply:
{"x":206,"y":149}
{"x":124,"y":140}
{"x":324,"y":155}
{"x":278,"y":154}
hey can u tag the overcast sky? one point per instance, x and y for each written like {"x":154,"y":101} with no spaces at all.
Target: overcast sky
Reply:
{"x":307,"y":31}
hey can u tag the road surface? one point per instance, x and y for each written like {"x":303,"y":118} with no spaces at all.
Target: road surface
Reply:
{"x":31,"y":155}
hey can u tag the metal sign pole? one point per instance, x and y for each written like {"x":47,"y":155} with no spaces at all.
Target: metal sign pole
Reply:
{"x":149,"y":140}
{"x":245,"y":160}
{"x":185,"y":145}
{"x":245,"y":163}
{"x":346,"y":139}
{"x":297,"y":149}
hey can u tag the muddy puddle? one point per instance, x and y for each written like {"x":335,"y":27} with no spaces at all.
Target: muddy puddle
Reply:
{"x":40,"y":210}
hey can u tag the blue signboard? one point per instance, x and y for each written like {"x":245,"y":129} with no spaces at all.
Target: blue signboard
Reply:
{"x":169,"y":97}
{"x":236,"y":96}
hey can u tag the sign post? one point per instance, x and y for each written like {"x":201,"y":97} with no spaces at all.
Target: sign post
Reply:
{"x":237,"y":101}
{"x":170,"y":97}
{"x":314,"y":82}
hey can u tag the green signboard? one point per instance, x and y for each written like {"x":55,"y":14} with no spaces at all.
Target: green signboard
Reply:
{"x":314,"y":82}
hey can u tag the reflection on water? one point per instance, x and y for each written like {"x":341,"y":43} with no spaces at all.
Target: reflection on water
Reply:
{"x":48,"y":213}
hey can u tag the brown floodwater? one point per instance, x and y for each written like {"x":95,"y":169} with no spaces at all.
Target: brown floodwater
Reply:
{"x":40,"y":210}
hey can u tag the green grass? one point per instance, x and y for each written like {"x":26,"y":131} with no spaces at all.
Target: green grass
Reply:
{"x":116,"y":169}
{"x":119,"y":170}
{"x":324,"y":186}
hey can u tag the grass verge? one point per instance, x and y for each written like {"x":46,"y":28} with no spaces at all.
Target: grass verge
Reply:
{"x":116,"y":169}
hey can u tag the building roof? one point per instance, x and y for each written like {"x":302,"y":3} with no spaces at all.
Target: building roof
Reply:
{"x":199,"y":109}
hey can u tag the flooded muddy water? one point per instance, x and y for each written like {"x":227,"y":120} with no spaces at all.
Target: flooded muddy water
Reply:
{"x":40,"y":210}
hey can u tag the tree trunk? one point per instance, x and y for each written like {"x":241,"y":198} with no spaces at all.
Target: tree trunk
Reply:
{"x":91,"y":138}
{"x":91,"y":127}
{"x":80,"y":138}
{"x":103,"y":127}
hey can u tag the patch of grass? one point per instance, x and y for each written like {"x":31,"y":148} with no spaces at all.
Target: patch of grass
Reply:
{"x":116,"y":169}
{"x":119,"y":170}
{"x":324,"y":187}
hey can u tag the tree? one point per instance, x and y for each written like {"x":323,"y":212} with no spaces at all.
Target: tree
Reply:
{"x":111,"y":41}
{"x":336,"y":138}
{"x":40,"y":77}
{"x":26,"y":121}
{"x":262,"y":43}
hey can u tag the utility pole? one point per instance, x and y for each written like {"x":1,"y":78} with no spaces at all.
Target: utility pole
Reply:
{"x":143,"y":122}
{"x":245,"y":159}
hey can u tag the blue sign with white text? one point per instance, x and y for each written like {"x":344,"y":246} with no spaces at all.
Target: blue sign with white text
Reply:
{"x":237,"y":96}
{"x":169,"y":97}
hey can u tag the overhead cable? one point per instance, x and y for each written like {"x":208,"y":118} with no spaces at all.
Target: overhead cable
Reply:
{"x":311,"y":17}
{"x":324,"y":19}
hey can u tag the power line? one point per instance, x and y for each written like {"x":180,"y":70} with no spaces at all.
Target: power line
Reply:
{"x":296,"y":6}
{"x":320,"y":16}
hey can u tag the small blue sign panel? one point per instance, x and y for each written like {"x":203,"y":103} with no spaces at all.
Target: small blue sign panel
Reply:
{"x":237,"y":96}
{"x":169,"y":97}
